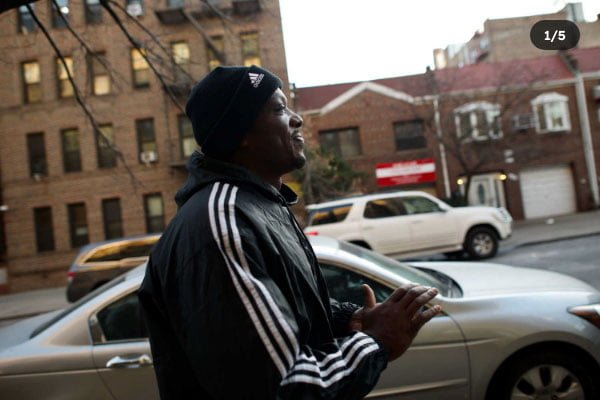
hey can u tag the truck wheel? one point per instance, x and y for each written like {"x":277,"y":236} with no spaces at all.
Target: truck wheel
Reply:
{"x":481,"y":243}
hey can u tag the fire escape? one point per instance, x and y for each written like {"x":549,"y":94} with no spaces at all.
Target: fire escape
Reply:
{"x":195,"y":13}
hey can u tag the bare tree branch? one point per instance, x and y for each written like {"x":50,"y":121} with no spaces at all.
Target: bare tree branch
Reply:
{"x":472,"y":155}
{"x":88,"y":51}
{"x":96,"y":128}
{"x":136,"y":44}
{"x":225,"y":19}
{"x":205,"y":36}
{"x":154,"y":38}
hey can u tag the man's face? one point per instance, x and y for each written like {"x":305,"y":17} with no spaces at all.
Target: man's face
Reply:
{"x":275,"y":139}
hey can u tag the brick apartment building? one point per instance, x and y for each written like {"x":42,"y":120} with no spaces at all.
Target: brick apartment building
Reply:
{"x":508,"y":39}
{"x":520,"y":129}
{"x":61,"y":187}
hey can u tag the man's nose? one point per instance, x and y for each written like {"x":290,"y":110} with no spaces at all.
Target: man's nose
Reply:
{"x":296,"y":120}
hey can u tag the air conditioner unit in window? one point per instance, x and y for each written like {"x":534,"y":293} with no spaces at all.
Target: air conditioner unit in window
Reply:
{"x":134,"y":9}
{"x":523,"y":121}
{"x":148,"y":157}
{"x":596,"y":91}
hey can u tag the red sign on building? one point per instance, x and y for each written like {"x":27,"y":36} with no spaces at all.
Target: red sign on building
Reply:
{"x":405,"y":172}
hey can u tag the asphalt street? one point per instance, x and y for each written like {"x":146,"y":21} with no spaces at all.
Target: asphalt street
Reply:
{"x":578,"y":257}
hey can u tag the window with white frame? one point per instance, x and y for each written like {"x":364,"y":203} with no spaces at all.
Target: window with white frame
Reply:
{"x":551,"y":112}
{"x":478,"y":120}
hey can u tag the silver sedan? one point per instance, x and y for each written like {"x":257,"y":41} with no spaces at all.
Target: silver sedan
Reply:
{"x":505,"y":333}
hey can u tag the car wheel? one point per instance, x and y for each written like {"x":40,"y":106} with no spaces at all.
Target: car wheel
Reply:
{"x":481,"y":243}
{"x":547,"y":375}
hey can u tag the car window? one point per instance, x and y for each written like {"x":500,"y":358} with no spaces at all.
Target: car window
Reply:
{"x":122,"y":320}
{"x":420,"y":205}
{"x":119,"y":251}
{"x":384,"y":208}
{"x":329,"y":215}
{"x":345,"y":285}
{"x":91,"y":295}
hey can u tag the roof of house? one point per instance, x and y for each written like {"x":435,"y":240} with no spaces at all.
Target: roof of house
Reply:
{"x":588,"y":59}
{"x":470,"y":77}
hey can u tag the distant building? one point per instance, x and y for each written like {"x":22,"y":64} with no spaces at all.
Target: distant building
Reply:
{"x":508,"y":39}
{"x":526,"y":132}
{"x":61,"y":186}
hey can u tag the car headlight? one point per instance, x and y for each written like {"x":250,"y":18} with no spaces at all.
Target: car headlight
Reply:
{"x":505,"y":214}
{"x":590,"y":313}
{"x":502,"y":215}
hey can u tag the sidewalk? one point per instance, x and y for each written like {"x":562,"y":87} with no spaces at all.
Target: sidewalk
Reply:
{"x":20,"y":305}
{"x":33,"y":302}
{"x":544,"y":230}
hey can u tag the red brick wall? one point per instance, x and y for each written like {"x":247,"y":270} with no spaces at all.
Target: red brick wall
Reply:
{"x":374,"y":114}
{"x":26,"y":268}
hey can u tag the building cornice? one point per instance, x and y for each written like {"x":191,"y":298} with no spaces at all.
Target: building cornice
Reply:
{"x":361,"y":87}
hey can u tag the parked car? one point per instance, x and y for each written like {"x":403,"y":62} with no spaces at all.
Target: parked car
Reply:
{"x":504,"y":333}
{"x":411,"y":224}
{"x":99,"y":262}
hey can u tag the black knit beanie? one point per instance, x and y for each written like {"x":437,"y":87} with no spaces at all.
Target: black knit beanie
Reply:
{"x":225,"y":103}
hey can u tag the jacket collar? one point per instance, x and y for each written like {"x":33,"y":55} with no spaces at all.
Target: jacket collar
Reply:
{"x":204,"y":170}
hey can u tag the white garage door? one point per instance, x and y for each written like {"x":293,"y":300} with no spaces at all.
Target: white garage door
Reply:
{"x":548,"y":191}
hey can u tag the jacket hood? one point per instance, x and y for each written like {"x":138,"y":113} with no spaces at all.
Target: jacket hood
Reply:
{"x":204,"y":171}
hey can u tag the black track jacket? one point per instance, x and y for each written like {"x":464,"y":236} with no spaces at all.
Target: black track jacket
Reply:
{"x":236,"y":305}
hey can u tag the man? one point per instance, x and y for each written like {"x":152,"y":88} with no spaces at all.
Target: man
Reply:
{"x":236,"y":305}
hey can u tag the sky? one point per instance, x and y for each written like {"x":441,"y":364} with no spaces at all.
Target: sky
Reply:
{"x":334,"y":41}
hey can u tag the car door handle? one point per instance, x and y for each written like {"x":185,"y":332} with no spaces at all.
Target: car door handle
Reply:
{"x":135,"y":361}
{"x":367,"y":227}
{"x":417,"y":222}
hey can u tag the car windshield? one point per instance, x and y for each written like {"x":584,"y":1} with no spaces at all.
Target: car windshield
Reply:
{"x":77,"y":304}
{"x":405,"y":271}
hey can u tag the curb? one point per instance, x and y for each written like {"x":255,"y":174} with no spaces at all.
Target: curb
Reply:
{"x":550,"y":240}
{"x":25,"y":315}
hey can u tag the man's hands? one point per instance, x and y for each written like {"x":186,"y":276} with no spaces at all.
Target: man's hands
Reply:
{"x":396,"y":321}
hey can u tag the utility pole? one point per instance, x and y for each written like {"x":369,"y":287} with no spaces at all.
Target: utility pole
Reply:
{"x":586,"y":135}
{"x":442,"y":148}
